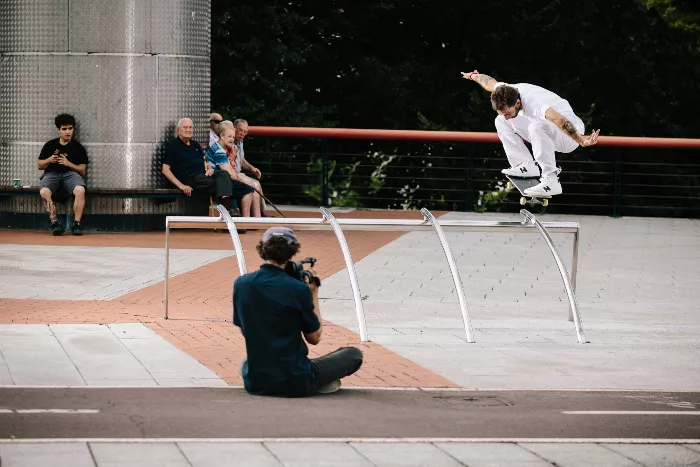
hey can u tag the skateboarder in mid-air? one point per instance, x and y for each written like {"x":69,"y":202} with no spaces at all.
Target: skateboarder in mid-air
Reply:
{"x":542,"y":118}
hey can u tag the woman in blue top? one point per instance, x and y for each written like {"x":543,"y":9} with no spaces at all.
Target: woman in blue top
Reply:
{"x":218,"y":158}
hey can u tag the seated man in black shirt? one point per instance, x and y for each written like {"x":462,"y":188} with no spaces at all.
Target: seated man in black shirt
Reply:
{"x":64,"y":162}
{"x":273,"y":310}
{"x":184,"y":166}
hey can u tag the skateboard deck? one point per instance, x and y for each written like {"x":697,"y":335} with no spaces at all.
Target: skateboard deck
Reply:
{"x":523,"y":184}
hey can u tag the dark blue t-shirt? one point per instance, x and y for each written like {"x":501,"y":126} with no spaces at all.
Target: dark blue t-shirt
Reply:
{"x":184,"y":160}
{"x":273,"y":309}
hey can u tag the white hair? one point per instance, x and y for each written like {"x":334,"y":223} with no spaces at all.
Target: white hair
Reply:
{"x":179,"y":122}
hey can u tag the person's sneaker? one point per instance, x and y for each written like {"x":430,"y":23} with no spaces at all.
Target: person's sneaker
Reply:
{"x":57,"y":229}
{"x":76,"y":228}
{"x":234,"y":212}
{"x":329,"y":388}
{"x":528,"y":169}
{"x":549,"y":185}
{"x":242,"y":231}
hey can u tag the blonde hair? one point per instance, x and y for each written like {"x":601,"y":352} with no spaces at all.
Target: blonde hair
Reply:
{"x":223,"y":125}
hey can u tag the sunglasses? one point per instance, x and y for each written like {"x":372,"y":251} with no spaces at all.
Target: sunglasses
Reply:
{"x":215,"y":121}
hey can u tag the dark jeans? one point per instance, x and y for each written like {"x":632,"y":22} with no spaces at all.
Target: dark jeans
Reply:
{"x":335,"y":365}
{"x":219,"y":184}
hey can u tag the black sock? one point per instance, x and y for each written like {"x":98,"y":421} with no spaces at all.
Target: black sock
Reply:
{"x":226,"y":201}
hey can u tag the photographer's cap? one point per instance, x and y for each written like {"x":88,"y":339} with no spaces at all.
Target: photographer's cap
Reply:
{"x":284,"y":232}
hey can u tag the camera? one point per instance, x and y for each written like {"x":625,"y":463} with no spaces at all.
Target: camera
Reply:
{"x":297,"y":271}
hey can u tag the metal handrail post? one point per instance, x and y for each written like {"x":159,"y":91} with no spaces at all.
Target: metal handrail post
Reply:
{"x":359,"y":310}
{"x":167,"y":267}
{"x":562,"y":270}
{"x":574,"y":270}
{"x":455,"y":272}
{"x":242,"y":268}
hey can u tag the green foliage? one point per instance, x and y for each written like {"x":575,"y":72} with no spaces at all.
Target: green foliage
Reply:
{"x":629,"y":67}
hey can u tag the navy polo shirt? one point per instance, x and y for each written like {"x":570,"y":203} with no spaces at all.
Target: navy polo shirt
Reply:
{"x":184,"y":160}
{"x":273,"y":309}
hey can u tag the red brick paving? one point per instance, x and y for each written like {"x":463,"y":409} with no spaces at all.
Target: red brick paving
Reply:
{"x":200,"y":300}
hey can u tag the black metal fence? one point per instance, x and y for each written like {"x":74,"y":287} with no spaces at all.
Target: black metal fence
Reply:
{"x":601,"y":180}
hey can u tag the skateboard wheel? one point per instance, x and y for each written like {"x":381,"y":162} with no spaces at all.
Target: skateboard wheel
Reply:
{"x":523,"y":201}
{"x":509,"y":185}
{"x":545,"y":202}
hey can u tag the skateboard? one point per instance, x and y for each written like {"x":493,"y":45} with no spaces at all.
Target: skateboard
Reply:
{"x":523,"y":184}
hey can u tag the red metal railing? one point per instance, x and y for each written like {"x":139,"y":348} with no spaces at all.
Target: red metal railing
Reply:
{"x":455,"y":136}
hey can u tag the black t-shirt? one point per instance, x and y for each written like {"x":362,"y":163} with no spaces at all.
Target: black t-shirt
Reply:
{"x":184,"y":160}
{"x":273,"y":309}
{"x":74,"y":152}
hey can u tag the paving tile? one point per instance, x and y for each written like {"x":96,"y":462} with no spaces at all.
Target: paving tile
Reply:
{"x":491,"y":454}
{"x":27,"y":330}
{"x":220,"y":454}
{"x":317,"y":454}
{"x":100,"y":355}
{"x":81,"y":329}
{"x":49,"y":454}
{"x":5,"y":375}
{"x":138,"y":454}
{"x":658,"y":455}
{"x":579,"y":455}
{"x":132,"y":331}
{"x":405,"y":454}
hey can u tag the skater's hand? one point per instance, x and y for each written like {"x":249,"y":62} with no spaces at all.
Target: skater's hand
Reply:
{"x":469,"y":75}
{"x":589,"y":140}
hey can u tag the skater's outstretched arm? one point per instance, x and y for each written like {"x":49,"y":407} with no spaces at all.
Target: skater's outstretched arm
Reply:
{"x":567,"y":127}
{"x":485,"y":81}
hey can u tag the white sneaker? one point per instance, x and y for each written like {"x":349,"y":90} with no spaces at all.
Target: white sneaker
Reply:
{"x":333,"y":386}
{"x":528,"y":169}
{"x":549,"y":185}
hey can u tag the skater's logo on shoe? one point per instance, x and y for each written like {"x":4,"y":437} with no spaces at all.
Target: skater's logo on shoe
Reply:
{"x":546,"y":188}
{"x":523,"y":169}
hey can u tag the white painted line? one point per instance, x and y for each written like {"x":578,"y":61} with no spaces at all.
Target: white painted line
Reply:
{"x":353,"y":440}
{"x":54,"y":411}
{"x":632,"y":412}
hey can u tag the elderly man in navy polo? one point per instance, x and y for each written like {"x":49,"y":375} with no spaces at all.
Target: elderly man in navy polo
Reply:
{"x":184,"y":166}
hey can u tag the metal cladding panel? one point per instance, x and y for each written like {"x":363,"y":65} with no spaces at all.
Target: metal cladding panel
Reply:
{"x":125,"y":166}
{"x":180,"y":28}
{"x":19,"y":161}
{"x":34,"y":26}
{"x":183,"y":91}
{"x":95,"y":205}
{"x":115,"y":26}
{"x":111,"y":165}
{"x":111,"y":97}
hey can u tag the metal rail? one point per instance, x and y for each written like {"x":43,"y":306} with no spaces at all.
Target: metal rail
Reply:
{"x":573,"y":305}
{"x":455,"y":273}
{"x":359,"y":309}
{"x":430,"y":223}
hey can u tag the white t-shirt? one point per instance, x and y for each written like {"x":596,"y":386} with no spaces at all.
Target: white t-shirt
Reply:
{"x":213,"y":138}
{"x":537,"y":100}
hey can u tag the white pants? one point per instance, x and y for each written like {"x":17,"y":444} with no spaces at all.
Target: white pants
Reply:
{"x":544,"y":136}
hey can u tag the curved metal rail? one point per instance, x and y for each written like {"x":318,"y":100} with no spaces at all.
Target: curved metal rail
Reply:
{"x":359,"y":309}
{"x":562,"y":270}
{"x":455,"y":273}
{"x":242,"y":268}
{"x":402,"y":225}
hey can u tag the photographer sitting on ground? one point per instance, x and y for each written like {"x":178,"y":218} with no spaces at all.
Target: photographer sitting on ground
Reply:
{"x":273,"y":308}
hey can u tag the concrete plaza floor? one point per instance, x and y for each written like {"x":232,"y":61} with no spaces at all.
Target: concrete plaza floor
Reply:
{"x":87,"y":312}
